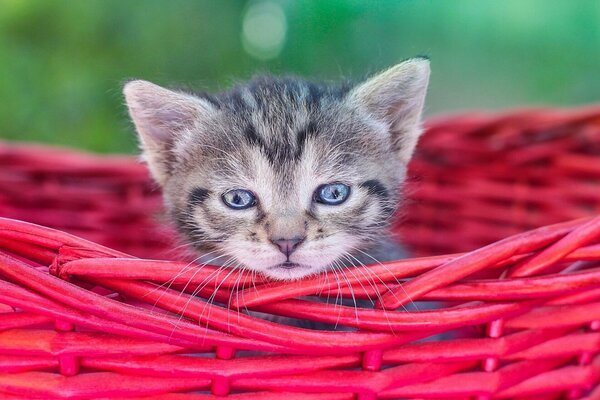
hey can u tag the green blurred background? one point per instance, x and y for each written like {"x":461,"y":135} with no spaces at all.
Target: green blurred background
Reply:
{"x":62,"y":62}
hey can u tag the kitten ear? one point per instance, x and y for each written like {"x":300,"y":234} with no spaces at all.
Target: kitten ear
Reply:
{"x":396,"y":97}
{"x":161,"y":116}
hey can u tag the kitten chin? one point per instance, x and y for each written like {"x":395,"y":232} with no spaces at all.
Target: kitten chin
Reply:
{"x":284,"y":172}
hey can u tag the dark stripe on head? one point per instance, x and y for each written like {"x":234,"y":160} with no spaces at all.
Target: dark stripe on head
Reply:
{"x":376,"y":188}
{"x":197,"y":196}
{"x":211,"y":99}
{"x":254,"y":88}
{"x":291,"y":89}
{"x":309,"y":131}
{"x":236,"y":101}
{"x":277,"y":153}
{"x":314,"y":95}
{"x":252,"y":136}
{"x":342,"y":90}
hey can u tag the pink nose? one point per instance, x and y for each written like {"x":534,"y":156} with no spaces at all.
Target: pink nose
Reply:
{"x":287,"y":246}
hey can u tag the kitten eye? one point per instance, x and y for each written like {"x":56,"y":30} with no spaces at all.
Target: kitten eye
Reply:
{"x":239,"y":199}
{"x":332,"y":194}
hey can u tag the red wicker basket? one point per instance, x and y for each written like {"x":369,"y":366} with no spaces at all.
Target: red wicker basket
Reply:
{"x":503,"y":212}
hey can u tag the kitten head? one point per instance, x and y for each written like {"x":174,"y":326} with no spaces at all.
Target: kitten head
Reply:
{"x":282,"y":176}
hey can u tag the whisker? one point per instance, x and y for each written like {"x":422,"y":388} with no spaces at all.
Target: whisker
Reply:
{"x":396,"y":279}
{"x":201,"y":286}
{"x":234,"y":289}
{"x":214,"y":292}
{"x":351,"y":292}
{"x":182,"y":271}
{"x":338,"y":296}
{"x":195,"y":273}
{"x":373,"y":284}
{"x":365,"y":291}
{"x":198,"y":289}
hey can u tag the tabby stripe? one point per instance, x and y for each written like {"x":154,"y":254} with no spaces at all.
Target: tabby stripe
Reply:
{"x":197,"y":196}
{"x":375,"y":187}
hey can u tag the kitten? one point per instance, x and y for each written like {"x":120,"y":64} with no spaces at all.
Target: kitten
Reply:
{"x":281,"y":175}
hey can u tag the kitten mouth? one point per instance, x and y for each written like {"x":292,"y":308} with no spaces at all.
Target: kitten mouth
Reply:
{"x":288,"y":271}
{"x":287,"y":265}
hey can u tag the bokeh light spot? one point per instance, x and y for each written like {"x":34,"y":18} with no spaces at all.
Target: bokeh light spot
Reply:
{"x":264,"y":29}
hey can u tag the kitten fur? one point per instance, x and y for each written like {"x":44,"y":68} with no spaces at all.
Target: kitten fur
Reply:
{"x":281,"y":138}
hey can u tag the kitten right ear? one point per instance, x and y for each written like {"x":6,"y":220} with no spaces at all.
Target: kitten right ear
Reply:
{"x":161,"y":117}
{"x":396,"y":97}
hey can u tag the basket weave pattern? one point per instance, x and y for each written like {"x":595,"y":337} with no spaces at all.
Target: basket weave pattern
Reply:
{"x":502,"y":210}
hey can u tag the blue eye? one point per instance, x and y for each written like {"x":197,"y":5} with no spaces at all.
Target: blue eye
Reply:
{"x":239,"y":199}
{"x":332,"y":194}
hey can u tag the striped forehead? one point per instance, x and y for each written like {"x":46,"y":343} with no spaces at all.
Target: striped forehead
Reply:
{"x":286,"y":185}
{"x":276,"y":112}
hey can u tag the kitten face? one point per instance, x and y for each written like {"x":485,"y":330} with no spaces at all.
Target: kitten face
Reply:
{"x":282,"y":176}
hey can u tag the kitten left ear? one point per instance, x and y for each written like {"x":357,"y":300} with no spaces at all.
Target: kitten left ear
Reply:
{"x":161,"y":117}
{"x":396,"y":97}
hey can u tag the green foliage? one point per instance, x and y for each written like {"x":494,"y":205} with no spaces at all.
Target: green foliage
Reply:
{"x":62,"y":62}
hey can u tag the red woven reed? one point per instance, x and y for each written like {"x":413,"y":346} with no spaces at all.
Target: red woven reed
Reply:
{"x":512,"y":200}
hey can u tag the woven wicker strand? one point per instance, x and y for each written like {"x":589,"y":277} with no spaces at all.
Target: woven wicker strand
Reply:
{"x":502,"y":214}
